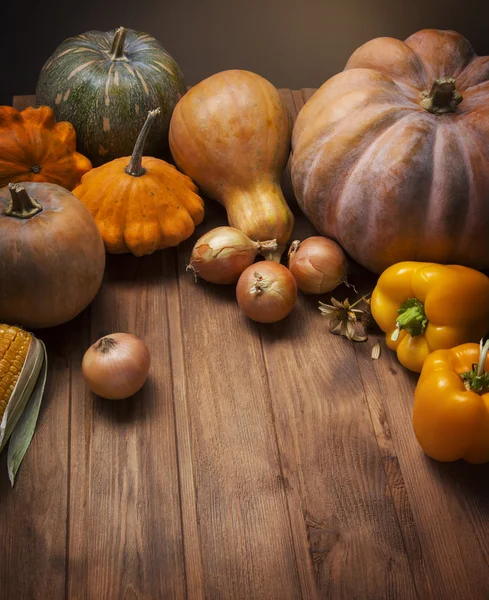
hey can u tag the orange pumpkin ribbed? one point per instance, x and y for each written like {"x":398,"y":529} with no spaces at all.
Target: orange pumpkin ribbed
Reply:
{"x":34,"y":147}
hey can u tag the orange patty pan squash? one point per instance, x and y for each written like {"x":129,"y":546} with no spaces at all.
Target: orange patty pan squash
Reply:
{"x":140,"y":203}
{"x":451,"y":404}
{"x":34,"y":147}
{"x":424,"y":307}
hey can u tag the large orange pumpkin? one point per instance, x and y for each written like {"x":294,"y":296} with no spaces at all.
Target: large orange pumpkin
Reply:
{"x":52,"y":257}
{"x":34,"y":147}
{"x":391,"y":156}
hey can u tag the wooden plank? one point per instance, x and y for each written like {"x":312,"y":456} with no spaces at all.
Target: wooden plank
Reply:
{"x":306,"y":93}
{"x":265,"y":465}
{"x":448,"y":503}
{"x":392,"y":468}
{"x":337,"y":490}
{"x":125,"y":518}
{"x":21,"y":102}
{"x":353,"y":553}
{"x":330,"y":458}
{"x":181,"y":399}
{"x":33,"y":514}
{"x":245,"y":538}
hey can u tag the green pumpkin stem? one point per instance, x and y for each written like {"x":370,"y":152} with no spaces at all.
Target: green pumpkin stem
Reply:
{"x":442,"y":98}
{"x":117,"y":48}
{"x":135,"y":167}
{"x":477,"y":380}
{"x":21,"y":205}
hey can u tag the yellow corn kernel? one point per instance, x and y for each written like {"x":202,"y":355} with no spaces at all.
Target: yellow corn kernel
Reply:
{"x":14,"y":344}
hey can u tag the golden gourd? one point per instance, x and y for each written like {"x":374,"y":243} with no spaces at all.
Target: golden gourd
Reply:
{"x":23,"y":366}
{"x":141,"y":204}
{"x":231,"y":134}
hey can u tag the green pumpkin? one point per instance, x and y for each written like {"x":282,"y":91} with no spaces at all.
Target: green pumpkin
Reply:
{"x":104,"y":83}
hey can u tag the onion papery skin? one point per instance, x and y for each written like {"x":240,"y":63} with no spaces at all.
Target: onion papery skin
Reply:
{"x":116,"y":366}
{"x":318,"y":265}
{"x":277,"y":297}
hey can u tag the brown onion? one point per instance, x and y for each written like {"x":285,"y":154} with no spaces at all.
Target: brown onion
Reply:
{"x":318,"y":264}
{"x":116,"y":366}
{"x":266,"y":292}
{"x":222,"y":254}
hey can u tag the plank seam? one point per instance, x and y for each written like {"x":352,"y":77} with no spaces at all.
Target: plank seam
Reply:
{"x":177,"y":437}
{"x":68,"y":483}
{"x":387,"y":481}
{"x":279,"y":456}
{"x":177,"y":453}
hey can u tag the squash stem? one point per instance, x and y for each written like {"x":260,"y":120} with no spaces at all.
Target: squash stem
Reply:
{"x":268,"y":248}
{"x":21,"y":205}
{"x":135,"y":167}
{"x":442,"y":98}
{"x":117,"y":47}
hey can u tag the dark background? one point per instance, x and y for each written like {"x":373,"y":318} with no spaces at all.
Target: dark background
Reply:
{"x":292,"y":43}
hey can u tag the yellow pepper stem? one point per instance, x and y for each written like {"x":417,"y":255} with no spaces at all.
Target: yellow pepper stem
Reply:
{"x":477,"y":380}
{"x":412,"y":318}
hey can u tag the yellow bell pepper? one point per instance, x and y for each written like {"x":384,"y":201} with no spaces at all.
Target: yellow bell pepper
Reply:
{"x":424,"y":307}
{"x":451,"y":404}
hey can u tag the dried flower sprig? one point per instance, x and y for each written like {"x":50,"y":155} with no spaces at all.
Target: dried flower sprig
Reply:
{"x":345,"y":319}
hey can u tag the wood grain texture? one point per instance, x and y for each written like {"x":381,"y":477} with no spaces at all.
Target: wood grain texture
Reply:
{"x":441,"y":506}
{"x":258,"y":462}
{"x":33,"y":514}
{"x":125,"y":520}
{"x":245,"y":536}
{"x":337,"y":487}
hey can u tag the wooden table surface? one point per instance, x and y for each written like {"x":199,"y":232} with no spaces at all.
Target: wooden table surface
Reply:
{"x":258,"y":462}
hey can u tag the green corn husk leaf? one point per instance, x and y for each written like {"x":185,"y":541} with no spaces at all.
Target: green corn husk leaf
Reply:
{"x":23,"y":390}
{"x":24,"y":429}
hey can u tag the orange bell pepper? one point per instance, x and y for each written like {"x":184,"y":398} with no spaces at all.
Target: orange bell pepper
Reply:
{"x":424,"y":307}
{"x":451,"y":404}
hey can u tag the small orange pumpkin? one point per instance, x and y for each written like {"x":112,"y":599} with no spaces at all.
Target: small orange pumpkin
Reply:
{"x":141,"y":204}
{"x":33,"y":147}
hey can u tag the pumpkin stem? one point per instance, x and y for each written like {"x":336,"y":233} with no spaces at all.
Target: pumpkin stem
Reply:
{"x":442,"y":98}
{"x":135,"y":167}
{"x":21,"y":205}
{"x":117,"y":48}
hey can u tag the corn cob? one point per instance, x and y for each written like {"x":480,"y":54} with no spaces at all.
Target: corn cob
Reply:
{"x":14,"y":345}
{"x":22,"y":357}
